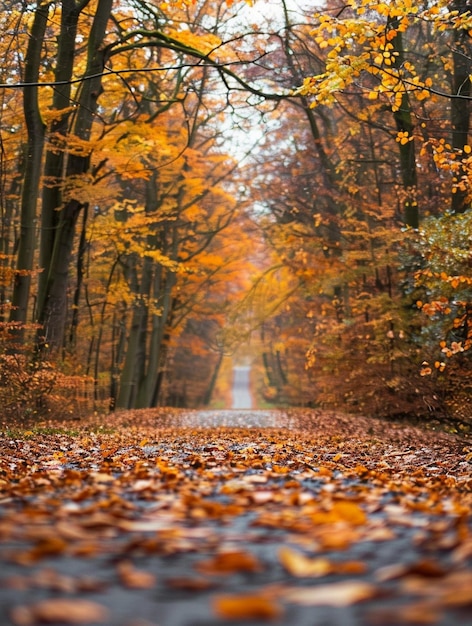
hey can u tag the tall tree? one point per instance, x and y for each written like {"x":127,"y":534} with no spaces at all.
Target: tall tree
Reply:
{"x":32,"y":168}
{"x":55,"y":160}
{"x":461,"y":101}
{"x":52,"y":301}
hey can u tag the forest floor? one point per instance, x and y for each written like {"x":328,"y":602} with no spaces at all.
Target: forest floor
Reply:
{"x":296,"y":518}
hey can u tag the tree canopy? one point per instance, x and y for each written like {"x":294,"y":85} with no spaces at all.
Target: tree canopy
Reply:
{"x":187,"y":182}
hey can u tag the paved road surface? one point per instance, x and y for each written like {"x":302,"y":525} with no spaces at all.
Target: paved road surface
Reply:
{"x":241,"y":387}
{"x":160,"y":538}
{"x":233,"y":418}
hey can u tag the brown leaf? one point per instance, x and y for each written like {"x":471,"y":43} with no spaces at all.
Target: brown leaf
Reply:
{"x":428,"y":568}
{"x":415,"y":613}
{"x":189,"y":584}
{"x":337,"y":538}
{"x":49,"y":546}
{"x":456,"y":588}
{"x":134,"y":578}
{"x":70,"y":532}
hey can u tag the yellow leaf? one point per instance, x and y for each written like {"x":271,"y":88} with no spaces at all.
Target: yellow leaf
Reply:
{"x":349,"y":512}
{"x":297,"y":564}
{"x":337,"y":594}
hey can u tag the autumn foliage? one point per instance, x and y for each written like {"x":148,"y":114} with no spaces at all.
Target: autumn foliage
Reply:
{"x":186,"y":183}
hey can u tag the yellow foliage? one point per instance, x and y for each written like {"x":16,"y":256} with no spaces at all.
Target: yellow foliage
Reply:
{"x":373,"y":30}
{"x":203,"y":43}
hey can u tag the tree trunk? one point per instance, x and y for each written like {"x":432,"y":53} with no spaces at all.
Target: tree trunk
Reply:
{"x":460,"y":104}
{"x":54,"y":162}
{"x":211,"y":387}
{"x":52,"y":311}
{"x":404,"y":123}
{"x":144,"y":353}
{"x":79,"y":280}
{"x":134,"y":364}
{"x":32,"y":175}
{"x":157,"y":351}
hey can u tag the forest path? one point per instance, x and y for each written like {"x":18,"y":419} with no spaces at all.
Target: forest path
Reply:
{"x":234,"y":418}
{"x":205,"y":518}
{"x":242,"y":398}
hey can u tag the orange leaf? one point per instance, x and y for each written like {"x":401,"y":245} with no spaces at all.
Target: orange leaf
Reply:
{"x":61,"y":611}
{"x":250,"y":606}
{"x":349,"y":512}
{"x":230,"y":562}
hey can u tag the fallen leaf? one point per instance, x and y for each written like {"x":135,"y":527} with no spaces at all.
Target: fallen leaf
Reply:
{"x":134,"y":578}
{"x":335,"y":594}
{"x":262,"y":497}
{"x":60,"y":611}
{"x":297,"y":564}
{"x":415,"y":613}
{"x":349,"y":512}
{"x":381,"y":534}
{"x":455,"y":589}
{"x":350,"y":567}
{"x":246,"y":607}
{"x":337,"y":538}
{"x":101,"y":477}
{"x":189,"y":584}
{"x":229,"y":563}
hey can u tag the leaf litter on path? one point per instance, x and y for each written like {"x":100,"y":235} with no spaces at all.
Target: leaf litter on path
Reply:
{"x":181,"y":519}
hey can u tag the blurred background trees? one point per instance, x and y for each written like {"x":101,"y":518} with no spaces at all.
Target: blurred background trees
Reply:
{"x":188,"y":185}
